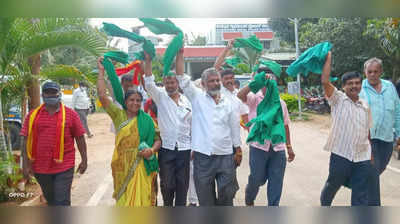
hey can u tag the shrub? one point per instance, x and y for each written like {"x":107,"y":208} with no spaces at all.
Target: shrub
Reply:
{"x":292,"y":102}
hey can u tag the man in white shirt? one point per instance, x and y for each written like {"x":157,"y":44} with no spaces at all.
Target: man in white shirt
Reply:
{"x":348,"y":141}
{"x":81,"y":104}
{"x":215,"y":129}
{"x":174,"y":120}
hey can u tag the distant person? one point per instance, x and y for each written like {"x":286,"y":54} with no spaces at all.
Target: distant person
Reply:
{"x":237,"y":85}
{"x":348,"y":141}
{"x":384,"y":102}
{"x":48,"y":149}
{"x":81,"y":104}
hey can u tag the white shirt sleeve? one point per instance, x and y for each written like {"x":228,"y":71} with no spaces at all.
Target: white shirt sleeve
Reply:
{"x":243,"y":108}
{"x":189,"y":89}
{"x":336,"y":97}
{"x":235,"y":128}
{"x":152,"y":90}
{"x":74,"y":96}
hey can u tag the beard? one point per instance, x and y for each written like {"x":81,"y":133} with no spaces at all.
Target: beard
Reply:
{"x":214,"y":92}
{"x":171,"y":92}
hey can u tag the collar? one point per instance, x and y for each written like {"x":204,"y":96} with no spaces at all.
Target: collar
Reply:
{"x":58,"y":108}
{"x":360,"y":102}
{"x":366,"y":85}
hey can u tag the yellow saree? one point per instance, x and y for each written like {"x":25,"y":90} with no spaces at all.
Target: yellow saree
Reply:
{"x":140,"y":188}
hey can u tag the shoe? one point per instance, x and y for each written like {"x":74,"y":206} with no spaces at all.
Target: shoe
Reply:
{"x":250,"y":203}
{"x":192,"y":205}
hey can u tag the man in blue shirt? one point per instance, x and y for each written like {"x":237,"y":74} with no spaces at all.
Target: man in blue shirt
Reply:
{"x":384,"y":102}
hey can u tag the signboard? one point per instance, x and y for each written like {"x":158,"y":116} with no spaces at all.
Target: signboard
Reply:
{"x":242,"y":27}
{"x":293,"y":88}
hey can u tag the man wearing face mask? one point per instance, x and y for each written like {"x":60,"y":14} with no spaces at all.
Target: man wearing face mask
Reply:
{"x":215,"y":129}
{"x":173,"y":116}
{"x":48,"y":149}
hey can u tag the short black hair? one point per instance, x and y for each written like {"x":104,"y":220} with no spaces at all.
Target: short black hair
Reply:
{"x":350,"y":75}
{"x":131,"y":92}
{"x":127,"y":77}
{"x":226,"y":72}
{"x":237,"y":82}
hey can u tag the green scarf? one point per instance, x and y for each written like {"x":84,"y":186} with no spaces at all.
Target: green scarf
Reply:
{"x":166,"y":27}
{"x":146,"y":134}
{"x":112,"y":76}
{"x":312,"y":60}
{"x":115,"y":31}
{"x":268,"y":125}
{"x":233,"y":61}
{"x":273,"y":66}
{"x":252,"y":42}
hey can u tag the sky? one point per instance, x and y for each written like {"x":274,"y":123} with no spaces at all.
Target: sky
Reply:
{"x":197,"y":26}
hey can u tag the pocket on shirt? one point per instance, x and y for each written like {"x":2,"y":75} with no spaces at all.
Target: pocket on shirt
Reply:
{"x":389,"y":105}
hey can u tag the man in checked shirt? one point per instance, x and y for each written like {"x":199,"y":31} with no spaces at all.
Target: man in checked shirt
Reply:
{"x":348,"y":141}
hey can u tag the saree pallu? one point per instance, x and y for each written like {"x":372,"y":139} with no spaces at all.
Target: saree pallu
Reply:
{"x":141,"y":188}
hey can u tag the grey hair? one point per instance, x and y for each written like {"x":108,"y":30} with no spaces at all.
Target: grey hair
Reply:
{"x":371,"y":60}
{"x":208,"y":72}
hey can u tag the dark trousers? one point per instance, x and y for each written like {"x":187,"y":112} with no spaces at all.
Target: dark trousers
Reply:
{"x":382,"y":152}
{"x":83,"y":113}
{"x":208,"y":170}
{"x":174,"y":176}
{"x":56,"y":187}
{"x":342,"y":171}
{"x":266,"y":166}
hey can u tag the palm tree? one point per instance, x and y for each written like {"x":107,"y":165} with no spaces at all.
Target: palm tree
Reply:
{"x":22,"y":40}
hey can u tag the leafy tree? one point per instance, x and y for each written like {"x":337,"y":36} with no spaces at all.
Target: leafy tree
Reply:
{"x":387,"y":32}
{"x":350,"y":47}
{"x":21,"y":42}
{"x":284,"y":28}
{"x":198,"y":40}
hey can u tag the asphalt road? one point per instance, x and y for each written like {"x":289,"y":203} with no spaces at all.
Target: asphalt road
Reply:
{"x":304,"y":177}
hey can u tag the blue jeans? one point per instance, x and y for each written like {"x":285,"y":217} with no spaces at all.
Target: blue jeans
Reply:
{"x":381,"y":151}
{"x":266,"y":166}
{"x":342,"y":170}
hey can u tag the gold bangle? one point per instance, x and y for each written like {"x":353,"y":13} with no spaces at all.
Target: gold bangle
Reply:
{"x":289,"y":146}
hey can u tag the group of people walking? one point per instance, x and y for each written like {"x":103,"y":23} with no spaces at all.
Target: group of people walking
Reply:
{"x":202,"y":126}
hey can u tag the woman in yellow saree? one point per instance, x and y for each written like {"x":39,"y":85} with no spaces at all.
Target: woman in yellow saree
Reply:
{"x":134,"y":163}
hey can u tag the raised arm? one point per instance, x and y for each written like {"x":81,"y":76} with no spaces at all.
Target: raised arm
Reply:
{"x":189,"y":89}
{"x":326,"y":71}
{"x":243,"y":92}
{"x":221,"y":58}
{"x":150,"y":86}
{"x":101,"y":85}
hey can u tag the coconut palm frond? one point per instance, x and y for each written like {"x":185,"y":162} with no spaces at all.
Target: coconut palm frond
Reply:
{"x":5,"y":25}
{"x":85,"y":38}
{"x":57,"y":72}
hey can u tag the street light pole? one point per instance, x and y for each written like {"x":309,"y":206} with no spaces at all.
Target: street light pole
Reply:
{"x":296,"y":36}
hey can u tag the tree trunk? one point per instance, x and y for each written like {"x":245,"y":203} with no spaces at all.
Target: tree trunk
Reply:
{"x":34,"y":85}
{"x":3,"y":145}
{"x":23,"y":107}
